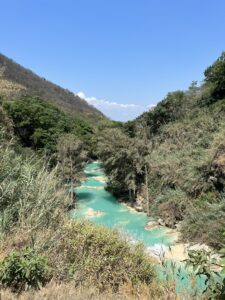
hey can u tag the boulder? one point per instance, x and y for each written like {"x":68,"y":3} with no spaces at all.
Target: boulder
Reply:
{"x":199,"y":246}
{"x":139,"y":208}
{"x":161,"y":222}
{"x":151,"y":225}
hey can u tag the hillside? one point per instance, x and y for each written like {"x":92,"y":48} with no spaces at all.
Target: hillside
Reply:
{"x":16,"y":81}
{"x":171,"y":160}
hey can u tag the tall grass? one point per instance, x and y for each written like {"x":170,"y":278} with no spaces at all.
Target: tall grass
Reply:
{"x":67,"y":291}
{"x":30,"y":196}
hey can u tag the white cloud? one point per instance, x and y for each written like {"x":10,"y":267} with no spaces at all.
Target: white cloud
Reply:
{"x":151,"y":106}
{"x":99,"y":102}
{"x":115,"y":110}
{"x":81,"y":95}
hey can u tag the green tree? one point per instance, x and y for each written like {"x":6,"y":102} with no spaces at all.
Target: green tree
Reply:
{"x":168,"y":110}
{"x":71,"y":157}
{"x":215,"y":77}
{"x":37,"y":123}
{"x":123,"y":159}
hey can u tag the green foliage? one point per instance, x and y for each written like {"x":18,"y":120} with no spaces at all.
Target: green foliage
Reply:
{"x":205,"y":222}
{"x":24,"y":270}
{"x":125,"y":157}
{"x":166,"y":111}
{"x":37,"y":123}
{"x":215,"y":78}
{"x":30,"y":194}
{"x":95,"y":255}
{"x":170,"y":205}
{"x":71,"y":157}
{"x":202,"y":263}
{"x":6,"y":130}
{"x":87,"y":133}
{"x":129,"y":128}
{"x":181,"y":144}
{"x":40,"y":125}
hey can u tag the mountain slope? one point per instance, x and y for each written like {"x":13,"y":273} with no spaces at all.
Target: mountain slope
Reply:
{"x":16,"y":80}
{"x":171,"y":160}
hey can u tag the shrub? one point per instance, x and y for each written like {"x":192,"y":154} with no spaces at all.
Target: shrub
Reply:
{"x":170,"y":206}
{"x":24,"y":270}
{"x":203,"y":263}
{"x":205,"y":222}
{"x":91,"y":254}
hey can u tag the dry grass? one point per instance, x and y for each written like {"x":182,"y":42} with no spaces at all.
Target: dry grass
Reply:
{"x":10,"y":89}
{"x":67,"y":291}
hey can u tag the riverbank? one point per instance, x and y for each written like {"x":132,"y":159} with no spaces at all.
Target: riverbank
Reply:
{"x":178,"y":251}
{"x":101,"y":207}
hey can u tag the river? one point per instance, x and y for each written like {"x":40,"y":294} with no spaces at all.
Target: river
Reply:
{"x":101,"y":207}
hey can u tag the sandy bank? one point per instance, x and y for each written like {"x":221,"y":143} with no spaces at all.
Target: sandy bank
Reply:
{"x":93,"y":213}
{"x":101,"y":179}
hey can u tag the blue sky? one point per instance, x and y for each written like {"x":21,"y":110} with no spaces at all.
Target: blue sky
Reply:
{"x":120,"y":55}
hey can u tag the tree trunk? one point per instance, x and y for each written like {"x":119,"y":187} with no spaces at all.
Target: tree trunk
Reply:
{"x":130,"y":197}
{"x":71,"y":180}
{"x":146,"y":186}
{"x":134,"y":196}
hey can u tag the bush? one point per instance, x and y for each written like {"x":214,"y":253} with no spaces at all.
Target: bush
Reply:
{"x":94,"y":255}
{"x":203,"y":264}
{"x":170,"y":206}
{"x":205,"y":222}
{"x":24,"y":270}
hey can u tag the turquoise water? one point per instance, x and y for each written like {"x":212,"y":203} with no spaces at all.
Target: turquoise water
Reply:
{"x":93,"y":198}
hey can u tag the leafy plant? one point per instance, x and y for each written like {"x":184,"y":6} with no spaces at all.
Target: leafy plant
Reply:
{"x":24,"y":270}
{"x":202,"y":262}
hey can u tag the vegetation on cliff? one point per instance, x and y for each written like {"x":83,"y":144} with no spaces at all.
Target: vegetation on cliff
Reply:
{"x":173,"y":157}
